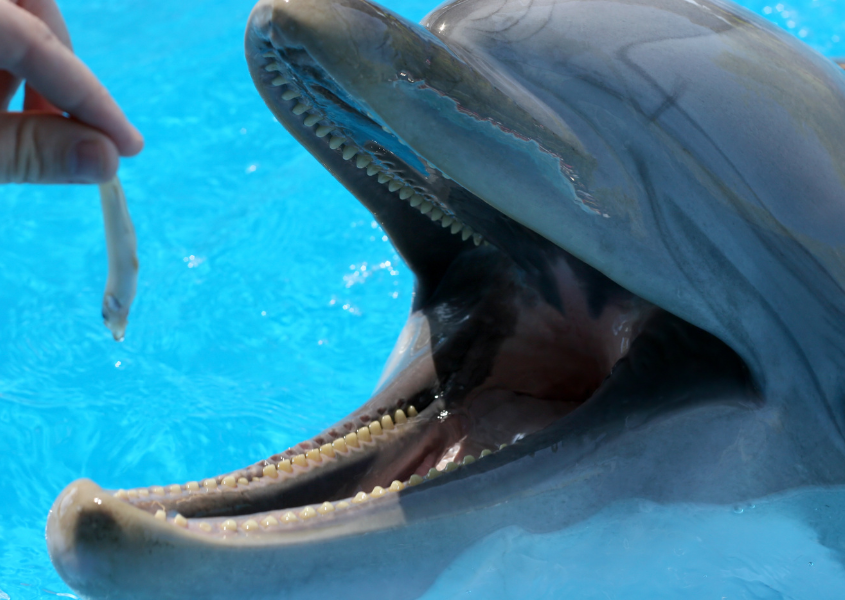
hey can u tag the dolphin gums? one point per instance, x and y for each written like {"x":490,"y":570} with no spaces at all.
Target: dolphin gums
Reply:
{"x":626,"y":219}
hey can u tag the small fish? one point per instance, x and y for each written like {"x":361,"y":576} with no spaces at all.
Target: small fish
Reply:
{"x":123,"y":258}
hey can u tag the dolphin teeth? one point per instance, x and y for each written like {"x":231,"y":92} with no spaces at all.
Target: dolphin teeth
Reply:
{"x":450,"y":466}
{"x":249,"y":525}
{"x":485,"y":452}
{"x":378,"y":426}
{"x":416,"y":200}
{"x":364,"y":435}
{"x":468,"y":459}
{"x":446,"y":221}
{"x":406,"y":192}
{"x":425,"y":208}
{"x":323,"y":130}
{"x":335,"y":141}
{"x":456,"y":227}
{"x":476,"y":237}
{"x":394,"y":185}
{"x":349,"y":152}
{"x":300,"y":108}
{"x":273,"y":66}
{"x":466,"y":233}
{"x":327,"y":450}
{"x":435,"y":214}
{"x":312,"y":119}
{"x":372,"y":170}
{"x":269,"y":54}
{"x":291,"y":94}
{"x":269,"y":521}
{"x":363,"y":160}
{"x":383,"y":177}
{"x":278,"y":81}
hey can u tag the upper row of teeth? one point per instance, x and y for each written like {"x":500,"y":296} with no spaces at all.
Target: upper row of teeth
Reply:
{"x":363,"y":160}
{"x":272,"y":470}
{"x":302,"y":514}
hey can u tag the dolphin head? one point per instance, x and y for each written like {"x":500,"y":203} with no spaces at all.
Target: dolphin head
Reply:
{"x":625,"y":223}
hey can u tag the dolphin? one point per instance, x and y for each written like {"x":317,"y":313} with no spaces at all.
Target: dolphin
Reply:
{"x":626,"y":219}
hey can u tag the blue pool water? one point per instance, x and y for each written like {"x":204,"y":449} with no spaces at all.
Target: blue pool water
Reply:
{"x":268,"y":302}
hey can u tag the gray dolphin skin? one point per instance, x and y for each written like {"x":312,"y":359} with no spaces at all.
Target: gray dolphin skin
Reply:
{"x":626,"y":219}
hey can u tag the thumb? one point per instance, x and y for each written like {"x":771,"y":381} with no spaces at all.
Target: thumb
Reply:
{"x":48,"y":148}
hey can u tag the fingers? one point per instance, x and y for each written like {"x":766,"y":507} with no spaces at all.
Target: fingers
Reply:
{"x":47,"y":11}
{"x":48,"y":148}
{"x":33,"y":101}
{"x":8,"y":86}
{"x":31,"y":51}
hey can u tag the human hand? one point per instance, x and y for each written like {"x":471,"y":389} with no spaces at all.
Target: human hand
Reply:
{"x":40,"y":145}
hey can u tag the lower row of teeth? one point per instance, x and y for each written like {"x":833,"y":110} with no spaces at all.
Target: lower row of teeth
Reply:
{"x":303,"y":514}
{"x":363,"y":160}
{"x":289,"y":467}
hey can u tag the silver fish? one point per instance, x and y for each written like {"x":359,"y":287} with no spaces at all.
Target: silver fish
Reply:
{"x":121,"y":246}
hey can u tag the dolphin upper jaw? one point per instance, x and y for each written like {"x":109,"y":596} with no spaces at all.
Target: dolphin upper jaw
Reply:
{"x":619,"y":208}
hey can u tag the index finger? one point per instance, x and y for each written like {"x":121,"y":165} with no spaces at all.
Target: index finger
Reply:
{"x":30,"y":50}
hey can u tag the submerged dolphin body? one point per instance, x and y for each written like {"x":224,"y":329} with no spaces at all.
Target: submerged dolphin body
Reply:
{"x":627,"y":223}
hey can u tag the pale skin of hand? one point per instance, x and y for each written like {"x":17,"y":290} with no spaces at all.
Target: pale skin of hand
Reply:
{"x":40,"y":145}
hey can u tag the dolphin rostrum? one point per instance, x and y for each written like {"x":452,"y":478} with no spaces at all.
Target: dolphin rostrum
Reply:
{"x":626,"y":219}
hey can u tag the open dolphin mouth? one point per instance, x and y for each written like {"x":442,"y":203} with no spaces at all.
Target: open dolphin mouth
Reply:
{"x":508,"y":334}
{"x":513,"y":342}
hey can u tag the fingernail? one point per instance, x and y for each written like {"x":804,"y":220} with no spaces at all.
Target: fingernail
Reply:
{"x":89,"y":162}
